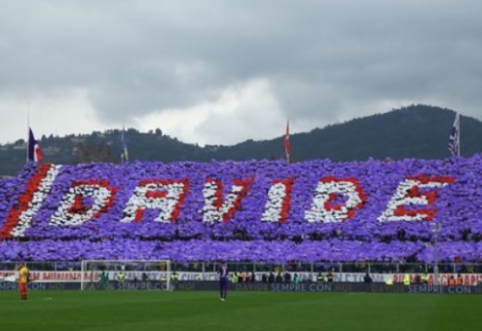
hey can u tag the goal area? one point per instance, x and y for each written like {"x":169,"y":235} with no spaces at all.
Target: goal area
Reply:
{"x":126,"y":275}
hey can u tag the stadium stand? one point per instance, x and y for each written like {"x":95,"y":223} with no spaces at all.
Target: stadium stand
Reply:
{"x":244,"y":211}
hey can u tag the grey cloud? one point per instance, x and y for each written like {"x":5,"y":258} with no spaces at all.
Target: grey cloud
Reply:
{"x":326,"y":60}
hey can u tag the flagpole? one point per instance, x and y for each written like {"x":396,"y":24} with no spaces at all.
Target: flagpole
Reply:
{"x":28,"y":132}
{"x":458,"y":121}
{"x":287,"y":143}
{"x":286,"y":137}
{"x":289,"y":154}
{"x":124,"y":153}
{"x":458,"y":137}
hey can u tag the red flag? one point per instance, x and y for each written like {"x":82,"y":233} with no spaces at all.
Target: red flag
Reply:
{"x":287,"y":142}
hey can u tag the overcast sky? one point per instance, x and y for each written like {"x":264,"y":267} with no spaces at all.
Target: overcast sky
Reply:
{"x":223,"y":71}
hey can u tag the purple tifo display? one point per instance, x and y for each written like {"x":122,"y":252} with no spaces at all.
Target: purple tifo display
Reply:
{"x":244,"y":211}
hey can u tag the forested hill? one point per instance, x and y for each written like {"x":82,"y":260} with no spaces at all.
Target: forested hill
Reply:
{"x":411,"y":132}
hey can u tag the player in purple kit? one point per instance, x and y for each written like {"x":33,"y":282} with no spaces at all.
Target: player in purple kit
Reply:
{"x":223,"y":280}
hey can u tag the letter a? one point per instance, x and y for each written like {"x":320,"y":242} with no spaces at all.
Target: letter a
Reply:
{"x":167,"y":196}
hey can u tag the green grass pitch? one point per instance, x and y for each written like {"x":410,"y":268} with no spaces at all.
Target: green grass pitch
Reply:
{"x":246,"y":311}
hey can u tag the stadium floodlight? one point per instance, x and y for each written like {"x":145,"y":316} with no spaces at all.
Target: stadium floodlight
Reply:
{"x":136,"y":274}
{"x":436,"y":227}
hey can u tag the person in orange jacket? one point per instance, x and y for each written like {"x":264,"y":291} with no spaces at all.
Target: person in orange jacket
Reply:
{"x":460,"y":281}
{"x":451,"y":281}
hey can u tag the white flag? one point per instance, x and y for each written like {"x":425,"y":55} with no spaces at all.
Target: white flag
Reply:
{"x":454,"y":138}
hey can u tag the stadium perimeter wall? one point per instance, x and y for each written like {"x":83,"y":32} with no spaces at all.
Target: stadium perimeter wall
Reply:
{"x":344,"y":277}
{"x":257,"y":287}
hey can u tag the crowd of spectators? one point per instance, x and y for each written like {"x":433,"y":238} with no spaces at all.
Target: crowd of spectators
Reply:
{"x":238,"y":211}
